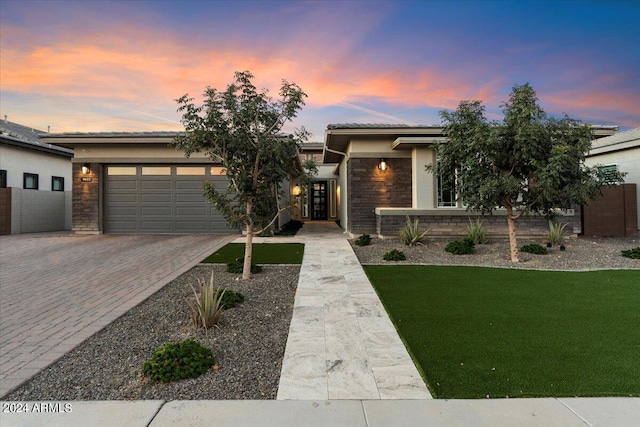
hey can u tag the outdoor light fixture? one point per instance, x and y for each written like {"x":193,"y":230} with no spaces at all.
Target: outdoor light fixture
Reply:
{"x":85,"y":169}
{"x":296,"y":190}
{"x":383,"y":165}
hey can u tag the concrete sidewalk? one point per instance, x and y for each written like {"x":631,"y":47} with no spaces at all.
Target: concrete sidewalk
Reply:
{"x":565,"y":412}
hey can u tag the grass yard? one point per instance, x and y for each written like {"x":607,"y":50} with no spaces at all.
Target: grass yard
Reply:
{"x":479,"y":332}
{"x":263,"y":253}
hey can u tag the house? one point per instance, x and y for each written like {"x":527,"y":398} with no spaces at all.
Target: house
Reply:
{"x":322,"y":200}
{"x":381,"y":179}
{"x":35,"y":182}
{"x":621,"y":204}
{"x":135,"y":182}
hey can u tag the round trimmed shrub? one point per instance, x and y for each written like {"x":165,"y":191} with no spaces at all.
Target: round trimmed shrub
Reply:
{"x":363,"y":240}
{"x":178,"y":361}
{"x":394,"y":255}
{"x":534,"y":248}
{"x":460,"y":247}
{"x":632,"y":253}
{"x":231,"y":298}
{"x":238,"y":266}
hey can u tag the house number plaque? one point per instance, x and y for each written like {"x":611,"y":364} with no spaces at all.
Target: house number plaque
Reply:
{"x":85,"y":179}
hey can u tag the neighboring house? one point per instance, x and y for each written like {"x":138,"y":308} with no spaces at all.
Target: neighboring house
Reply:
{"x":620,"y":152}
{"x":381,"y":179}
{"x":125,"y":182}
{"x":35,"y":182}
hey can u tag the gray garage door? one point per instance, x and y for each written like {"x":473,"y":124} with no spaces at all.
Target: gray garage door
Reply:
{"x":161,"y":199}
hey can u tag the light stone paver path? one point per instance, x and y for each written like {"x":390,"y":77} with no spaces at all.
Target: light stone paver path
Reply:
{"x":58,"y":290}
{"x":342,"y":344}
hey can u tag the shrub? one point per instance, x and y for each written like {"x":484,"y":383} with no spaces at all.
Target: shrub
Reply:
{"x":238,"y":266}
{"x":394,"y":255}
{"x":177,"y":361}
{"x":206,"y":309}
{"x":556,"y":233}
{"x":461,"y":247}
{"x":231,"y":298}
{"x":363,"y":240}
{"x":410,"y":233}
{"x":290,"y":228}
{"x":534,"y":248}
{"x":476,"y":233}
{"x":632,"y":253}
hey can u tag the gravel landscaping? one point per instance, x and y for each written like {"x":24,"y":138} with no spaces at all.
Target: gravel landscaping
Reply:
{"x":581,"y":253}
{"x":249,"y":346}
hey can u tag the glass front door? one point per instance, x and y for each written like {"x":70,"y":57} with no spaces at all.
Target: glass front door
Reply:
{"x":319,"y":200}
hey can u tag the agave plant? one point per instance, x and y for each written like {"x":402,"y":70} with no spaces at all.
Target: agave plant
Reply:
{"x":207,"y":306}
{"x":556,"y":233}
{"x":476,"y":233}
{"x":410,"y":233}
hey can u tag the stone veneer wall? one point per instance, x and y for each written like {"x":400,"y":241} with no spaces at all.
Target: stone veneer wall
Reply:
{"x":496,"y":225}
{"x":369,"y":188}
{"x":86,"y":199}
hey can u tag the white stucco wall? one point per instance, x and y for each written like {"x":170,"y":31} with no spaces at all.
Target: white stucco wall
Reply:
{"x":18,"y":161}
{"x":38,"y":210}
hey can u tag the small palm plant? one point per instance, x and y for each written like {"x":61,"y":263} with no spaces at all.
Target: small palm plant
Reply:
{"x":556,"y":233}
{"x":410,"y":233}
{"x":207,"y":306}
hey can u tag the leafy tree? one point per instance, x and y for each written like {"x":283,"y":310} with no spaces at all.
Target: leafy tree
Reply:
{"x":528,"y":163}
{"x":240,"y":128}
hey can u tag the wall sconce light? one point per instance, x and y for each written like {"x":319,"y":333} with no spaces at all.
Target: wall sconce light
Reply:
{"x":296,"y":190}
{"x":85,"y":169}
{"x":383,"y":165}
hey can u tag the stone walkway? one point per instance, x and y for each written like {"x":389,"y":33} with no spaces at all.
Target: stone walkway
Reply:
{"x":58,"y":290}
{"x":342,"y":344}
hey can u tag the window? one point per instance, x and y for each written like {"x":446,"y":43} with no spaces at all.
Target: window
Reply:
{"x":121,"y":170}
{"x":57,"y":183}
{"x":190,"y":170}
{"x":156,"y":170}
{"x":446,"y":193}
{"x":3,"y":178}
{"x":609,"y":173}
{"x":30,"y":181}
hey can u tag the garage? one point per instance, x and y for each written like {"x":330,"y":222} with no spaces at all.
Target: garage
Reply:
{"x":161,"y":199}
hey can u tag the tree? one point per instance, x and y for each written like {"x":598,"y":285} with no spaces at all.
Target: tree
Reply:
{"x":529,"y":163}
{"x":240,"y":129}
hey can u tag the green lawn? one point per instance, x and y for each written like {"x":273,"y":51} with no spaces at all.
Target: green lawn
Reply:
{"x":476,"y":332}
{"x":263,"y":253}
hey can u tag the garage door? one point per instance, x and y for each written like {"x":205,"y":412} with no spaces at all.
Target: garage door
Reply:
{"x":162,"y":199}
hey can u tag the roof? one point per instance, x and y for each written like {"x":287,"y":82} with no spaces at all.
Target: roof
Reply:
{"x":338,"y":136}
{"x":25,"y":137}
{"x":626,"y":140}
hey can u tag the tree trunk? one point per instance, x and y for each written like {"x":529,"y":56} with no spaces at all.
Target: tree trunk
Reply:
{"x":248,"y":248}
{"x":513,"y":242}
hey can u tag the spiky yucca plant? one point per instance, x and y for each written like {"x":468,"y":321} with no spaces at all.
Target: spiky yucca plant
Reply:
{"x":207,"y":306}
{"x":476,"y":233}
{"x":556,"y":233}
{"x":410,"y":233}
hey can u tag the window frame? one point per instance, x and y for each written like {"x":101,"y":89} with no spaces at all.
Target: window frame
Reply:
{"x":3,"y":178}
{"x":36,"y":180}
{"x":55,"y":179}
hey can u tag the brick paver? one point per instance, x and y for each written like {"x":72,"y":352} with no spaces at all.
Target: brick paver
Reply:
{"x":56,"y":291}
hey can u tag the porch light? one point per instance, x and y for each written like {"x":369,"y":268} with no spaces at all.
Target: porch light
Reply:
{"x":383,"y":165}
{"x":85,"y":169}
{"x":296,"y":190}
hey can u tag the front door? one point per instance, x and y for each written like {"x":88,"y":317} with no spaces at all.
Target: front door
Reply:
{"x":319,"y":200}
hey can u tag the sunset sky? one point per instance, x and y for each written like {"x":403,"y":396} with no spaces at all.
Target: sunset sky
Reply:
{"x":119,"y":65}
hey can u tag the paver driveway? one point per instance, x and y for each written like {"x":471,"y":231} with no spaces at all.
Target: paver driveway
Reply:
{"x":56,"y":291}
